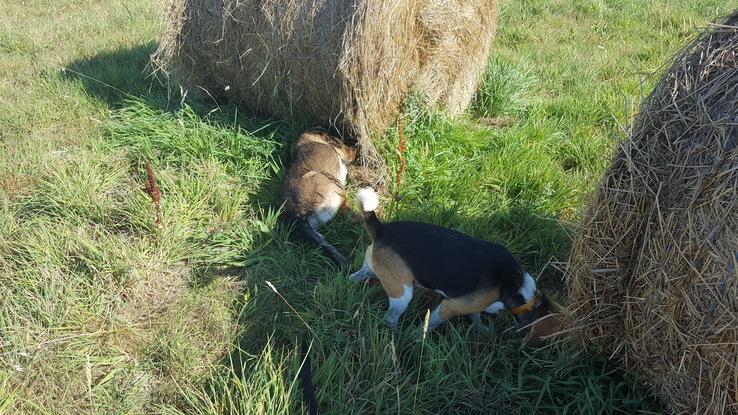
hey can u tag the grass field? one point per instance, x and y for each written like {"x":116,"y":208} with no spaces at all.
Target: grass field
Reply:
{"x":102,"y":311}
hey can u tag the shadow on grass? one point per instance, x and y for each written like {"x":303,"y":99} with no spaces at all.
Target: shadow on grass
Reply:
{"x":352,"y":341}
{"x":116,"y":76}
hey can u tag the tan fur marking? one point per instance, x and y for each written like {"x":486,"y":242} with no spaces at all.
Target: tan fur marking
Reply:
{"x":391,"y":270}
{"x":472,"y":303}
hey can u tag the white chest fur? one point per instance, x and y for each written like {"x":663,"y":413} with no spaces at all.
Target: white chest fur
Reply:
{"x":528,"y":289}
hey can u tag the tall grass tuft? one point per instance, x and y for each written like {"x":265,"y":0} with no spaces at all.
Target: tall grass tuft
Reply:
{"x":505,"y":89}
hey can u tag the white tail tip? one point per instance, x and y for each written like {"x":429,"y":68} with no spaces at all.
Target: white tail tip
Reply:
{"x":368,"y":199}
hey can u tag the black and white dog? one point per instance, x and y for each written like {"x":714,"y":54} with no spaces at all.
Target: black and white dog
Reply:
{"x":472,"y":275}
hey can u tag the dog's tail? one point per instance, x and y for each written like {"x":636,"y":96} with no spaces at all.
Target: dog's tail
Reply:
{"x":368,"y":203}
{"x":306,"y":232}
{"x":306,"y":378}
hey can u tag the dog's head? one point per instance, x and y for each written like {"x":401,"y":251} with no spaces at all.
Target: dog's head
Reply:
{"x":541,"y":317}
{"x":543,"y":329}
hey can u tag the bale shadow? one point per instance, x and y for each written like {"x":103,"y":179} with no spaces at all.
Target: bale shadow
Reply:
{"x":114,"y":76}
{"x":119,"y":76}
{"x":126,"y":74}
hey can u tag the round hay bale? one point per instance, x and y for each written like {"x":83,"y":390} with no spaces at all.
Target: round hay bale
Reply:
{"x":653,"y":273}
{"x":347,"y":64}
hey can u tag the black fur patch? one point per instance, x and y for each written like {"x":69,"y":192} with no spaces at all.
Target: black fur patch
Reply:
{"x":447,"y":260}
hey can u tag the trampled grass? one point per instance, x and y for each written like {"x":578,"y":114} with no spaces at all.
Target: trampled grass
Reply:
{"x":104,"y":311}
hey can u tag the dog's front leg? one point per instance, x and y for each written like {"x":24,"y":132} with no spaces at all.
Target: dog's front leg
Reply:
{"x":476,"y":319}
{"x":495,"y":308}
{"x":452,"y":307}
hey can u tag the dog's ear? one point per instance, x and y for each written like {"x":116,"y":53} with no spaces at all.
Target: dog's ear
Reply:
{"x":348,"y":153}
{"x":555,"y":307}
{"x":547,"y":306}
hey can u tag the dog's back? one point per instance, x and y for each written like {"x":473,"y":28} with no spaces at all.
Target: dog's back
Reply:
{"x":437,"y":255}
{"x":313,"y":190}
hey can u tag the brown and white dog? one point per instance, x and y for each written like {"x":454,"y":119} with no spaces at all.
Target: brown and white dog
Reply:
{"x":471,"y":274}
{"x":313,"y":189}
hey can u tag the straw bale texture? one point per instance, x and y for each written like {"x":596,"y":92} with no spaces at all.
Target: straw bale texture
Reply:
{"x":653,"y":274}
{"x":341,"y":63}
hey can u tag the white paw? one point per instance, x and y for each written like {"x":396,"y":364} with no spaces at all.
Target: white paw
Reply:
{"x":391,"y":319}
{"x":495,"y":308}
{"x":362,"y":274}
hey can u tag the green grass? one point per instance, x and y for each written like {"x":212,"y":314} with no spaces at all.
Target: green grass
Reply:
{"x":502,"y":89}
{"x":104,"y":312}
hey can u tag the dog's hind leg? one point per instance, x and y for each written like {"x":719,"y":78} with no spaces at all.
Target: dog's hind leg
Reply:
{"x":331,"y":252}
{"x":366,"y":271}
{"x":396,"y":279}
{"x":308,"y":233}
{"x":398,"y":305}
